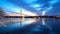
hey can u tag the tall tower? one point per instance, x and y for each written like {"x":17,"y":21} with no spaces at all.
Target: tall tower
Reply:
{"x":21,"y":12}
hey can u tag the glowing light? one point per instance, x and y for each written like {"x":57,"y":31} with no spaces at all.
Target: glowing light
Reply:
{"x":43,"y":13}
{"x":29,"y":21}
{"x":13,"y":14}
{"x":43,"y":20}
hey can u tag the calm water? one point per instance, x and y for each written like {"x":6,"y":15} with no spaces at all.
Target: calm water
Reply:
{"x":32,"y":25}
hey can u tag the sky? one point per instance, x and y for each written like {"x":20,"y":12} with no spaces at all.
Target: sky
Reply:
{"x":31,"y":7}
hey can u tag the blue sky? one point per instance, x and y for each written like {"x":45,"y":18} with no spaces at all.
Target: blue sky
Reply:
{"x":50,"y":7}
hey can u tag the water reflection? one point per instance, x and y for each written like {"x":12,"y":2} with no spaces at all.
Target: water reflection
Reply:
{"x":43,"y":21}
{"x":48,"y":25}
{"x":25,"y":21}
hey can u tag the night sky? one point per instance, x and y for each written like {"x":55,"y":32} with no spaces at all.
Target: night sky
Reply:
{"x":50,"y":7}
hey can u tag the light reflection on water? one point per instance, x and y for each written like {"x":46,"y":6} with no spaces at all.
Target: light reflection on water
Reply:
{"x":24,"y":21}
{"x":51,"y":22}
{"x":16,"y":22}
{"x":27,"y":21}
